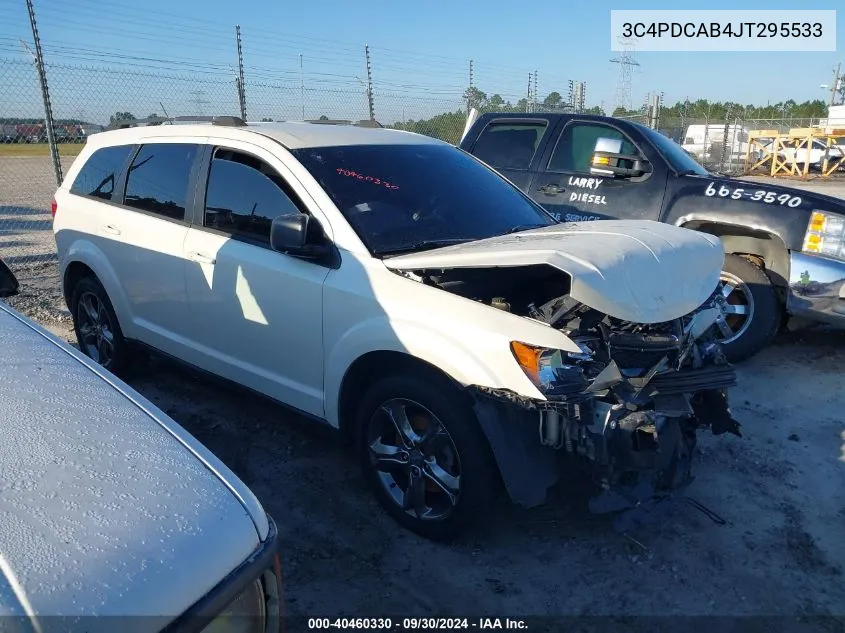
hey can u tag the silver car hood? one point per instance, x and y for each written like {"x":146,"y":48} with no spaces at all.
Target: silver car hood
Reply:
{"x":635,"y":270}
{"x":104,"y":509}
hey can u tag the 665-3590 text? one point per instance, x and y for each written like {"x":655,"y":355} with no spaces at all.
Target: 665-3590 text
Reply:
{"x":416,"y":624}
{"x":755,"y":195}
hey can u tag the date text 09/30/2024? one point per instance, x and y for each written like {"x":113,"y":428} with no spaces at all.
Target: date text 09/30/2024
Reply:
{"x":416,"y":624}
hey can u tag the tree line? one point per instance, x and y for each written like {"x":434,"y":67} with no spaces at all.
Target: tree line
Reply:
{"x":448,"y":126}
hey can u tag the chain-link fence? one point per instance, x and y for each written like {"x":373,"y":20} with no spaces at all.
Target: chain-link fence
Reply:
{"x":722,"y":144}
{"x":27,"y":177}
{"x":87,"y":99}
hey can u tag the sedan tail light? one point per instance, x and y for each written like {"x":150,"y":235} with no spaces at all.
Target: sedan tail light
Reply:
{"x":53,"y":207}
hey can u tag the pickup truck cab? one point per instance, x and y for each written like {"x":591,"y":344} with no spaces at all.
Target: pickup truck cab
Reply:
{"x":784,"y":248}
{"x":113,"y":517}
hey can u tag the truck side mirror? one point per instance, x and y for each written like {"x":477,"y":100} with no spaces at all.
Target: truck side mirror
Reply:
{"x":608,"y":164}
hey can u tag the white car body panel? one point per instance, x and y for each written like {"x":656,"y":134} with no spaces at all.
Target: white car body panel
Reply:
{"x":369,"y":308}
{"x":108,"y":507}
{"x":639,"y":271}
{"x":817,"y":153}
{"x":255,"y":317}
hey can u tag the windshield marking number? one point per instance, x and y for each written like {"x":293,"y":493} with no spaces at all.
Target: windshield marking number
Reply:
{"x":769,"y":197}
{"x":376,"y":181}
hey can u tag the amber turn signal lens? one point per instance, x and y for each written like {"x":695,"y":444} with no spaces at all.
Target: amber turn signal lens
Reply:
{"x":528,"y":358}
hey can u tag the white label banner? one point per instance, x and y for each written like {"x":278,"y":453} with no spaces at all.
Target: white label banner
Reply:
{"x":723,"y":30}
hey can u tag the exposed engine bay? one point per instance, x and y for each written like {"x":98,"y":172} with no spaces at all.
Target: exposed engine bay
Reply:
{"x":629,"y":404}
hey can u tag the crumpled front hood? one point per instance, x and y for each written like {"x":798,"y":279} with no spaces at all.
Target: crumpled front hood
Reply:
{"x":640,"y":271}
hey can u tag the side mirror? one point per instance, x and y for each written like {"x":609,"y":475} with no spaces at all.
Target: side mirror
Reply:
{"x":608,"y":164}
{"x":9,"y":285}
{"x":297,"y":235}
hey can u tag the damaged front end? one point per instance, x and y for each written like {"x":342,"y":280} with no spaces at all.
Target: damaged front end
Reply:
{"x":629,"y":405}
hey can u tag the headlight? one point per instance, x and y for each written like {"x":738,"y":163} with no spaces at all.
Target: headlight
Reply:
{"x":825,"y":235}
{"x":245,"y":614}
{"x":554,"y":372}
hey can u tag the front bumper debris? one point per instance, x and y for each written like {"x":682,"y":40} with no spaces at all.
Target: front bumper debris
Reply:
{"x":816,"y":288}
{"x":633,"y":426}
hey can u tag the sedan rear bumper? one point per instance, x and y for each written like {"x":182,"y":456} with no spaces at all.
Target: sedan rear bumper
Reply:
{"x":817,"y":288}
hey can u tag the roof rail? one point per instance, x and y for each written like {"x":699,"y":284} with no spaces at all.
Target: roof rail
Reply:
{"x":231,"y":121}
{"x":362,"y":123}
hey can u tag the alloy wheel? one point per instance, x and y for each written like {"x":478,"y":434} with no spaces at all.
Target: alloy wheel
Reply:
{"x":96,"y":332}
{"x":736,"y":304}
{"x":415,"y":458}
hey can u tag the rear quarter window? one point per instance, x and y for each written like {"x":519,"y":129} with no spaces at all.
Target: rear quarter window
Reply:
{"x":100,"y":172}
{"x":506,"y":145}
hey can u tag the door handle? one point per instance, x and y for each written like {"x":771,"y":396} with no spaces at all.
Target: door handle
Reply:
{"x":551,"y":189}
{"x":202,"y":258}
{"x":111,"y":228}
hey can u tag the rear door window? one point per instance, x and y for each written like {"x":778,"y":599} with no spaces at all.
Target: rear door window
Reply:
{"x":244,"y":195}
{"x":100,"y":172}
{"x":158,"y":179}
{"x":505,"y":145}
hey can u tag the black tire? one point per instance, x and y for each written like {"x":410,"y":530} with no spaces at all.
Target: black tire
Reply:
{"x":478,"y":477}
{"x":85,"y":292}
{"x":763,"y":309}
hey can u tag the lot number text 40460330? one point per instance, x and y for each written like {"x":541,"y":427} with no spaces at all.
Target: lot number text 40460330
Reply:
{"x":769,"y":197}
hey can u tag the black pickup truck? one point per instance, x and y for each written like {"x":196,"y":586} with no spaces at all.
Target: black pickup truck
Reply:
{"x":784,"y":248}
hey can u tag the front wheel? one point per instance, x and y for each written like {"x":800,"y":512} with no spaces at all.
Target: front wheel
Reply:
{"x":751,"y":311}
{"x":425,"y":456}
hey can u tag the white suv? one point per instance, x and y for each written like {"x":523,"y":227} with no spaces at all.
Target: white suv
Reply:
{"x":399,"y":290}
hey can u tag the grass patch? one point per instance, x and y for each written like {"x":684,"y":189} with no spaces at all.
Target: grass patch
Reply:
{"x":39,"y":149}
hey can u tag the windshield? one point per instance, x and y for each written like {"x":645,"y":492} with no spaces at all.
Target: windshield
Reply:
{"x":674,"y":154}
{"x":407,"y":197}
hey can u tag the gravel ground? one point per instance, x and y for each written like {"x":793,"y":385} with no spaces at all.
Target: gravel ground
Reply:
{"x":779,"y":488}
{"x":27,"y":185}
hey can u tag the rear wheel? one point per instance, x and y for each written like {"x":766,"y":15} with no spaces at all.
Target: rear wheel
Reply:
{"x":425,"y":456}
{"x":751,"y":311}
{"x":95,"y":323}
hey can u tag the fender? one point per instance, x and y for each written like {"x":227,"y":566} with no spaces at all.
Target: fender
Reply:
{"x":490,"y":368}
{"x":739,"y":238}
{"x":86,"y":252}
{"x":687,"y":200}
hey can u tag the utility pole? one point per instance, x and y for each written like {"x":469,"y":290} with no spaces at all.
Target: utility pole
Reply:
{"x":834,"y":88}
{"x":370,"y":84}
{"x":200,"y":101}
{"x":528,"y":100}
{"x":302,"y":86}
{"x":241,"y":88}
{"x":469,"y":91}
{"x":625,"y":59}
{"x":45,"y":95}
{"x":534,"y":109}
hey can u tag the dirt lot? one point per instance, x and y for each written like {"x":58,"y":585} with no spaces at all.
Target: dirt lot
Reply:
{"x":780,"y":489}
